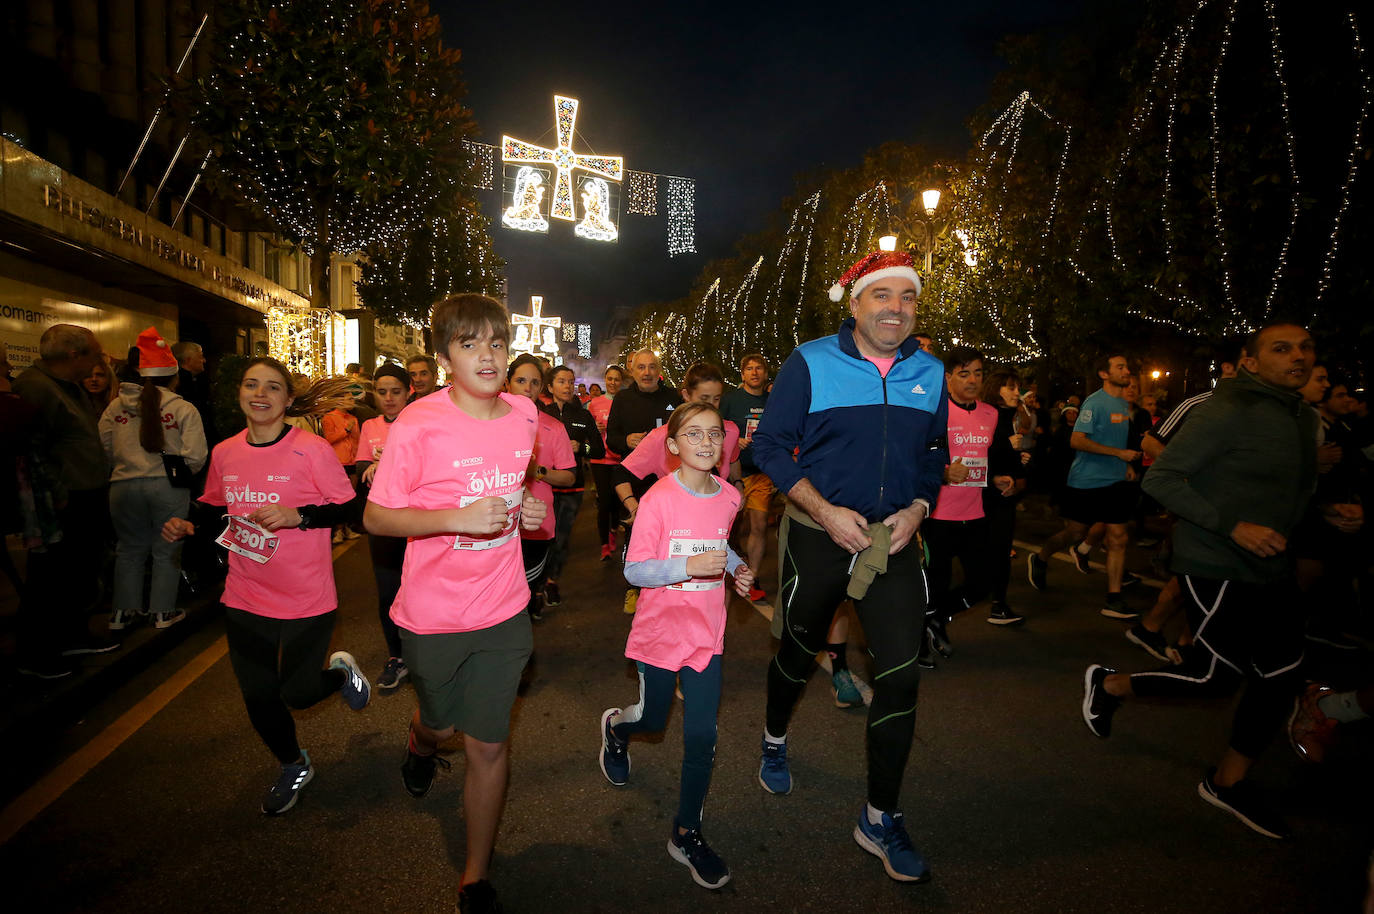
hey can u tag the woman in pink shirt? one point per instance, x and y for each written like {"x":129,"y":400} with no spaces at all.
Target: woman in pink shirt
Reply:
{"x":679,"y":554}
{"x":281,"y":489}
{"x":607,"y":505}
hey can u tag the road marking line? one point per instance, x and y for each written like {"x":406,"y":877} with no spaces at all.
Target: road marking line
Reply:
{"x":51,"y":786}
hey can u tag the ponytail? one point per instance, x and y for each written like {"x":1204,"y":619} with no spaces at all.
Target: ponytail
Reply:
{"x":316,"y":399}
{"x":150,"y":433}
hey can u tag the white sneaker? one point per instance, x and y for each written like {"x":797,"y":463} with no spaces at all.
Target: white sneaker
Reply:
{"x":167,"y":620}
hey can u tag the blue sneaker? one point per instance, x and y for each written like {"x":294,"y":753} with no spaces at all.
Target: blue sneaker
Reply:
{"x":889,"y":842}
{"x":692,"y":851}
{"x":282,"y":795}
{"x":615,"y":752}
{"x":355,"y":689}
{"x":774,"y":774}
{"x":847,"y":694}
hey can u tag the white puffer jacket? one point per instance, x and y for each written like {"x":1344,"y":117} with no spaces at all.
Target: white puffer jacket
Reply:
{"x":182,"y":431}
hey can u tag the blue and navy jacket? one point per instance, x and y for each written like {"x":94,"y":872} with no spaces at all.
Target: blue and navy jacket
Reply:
{"x":868,"y":443}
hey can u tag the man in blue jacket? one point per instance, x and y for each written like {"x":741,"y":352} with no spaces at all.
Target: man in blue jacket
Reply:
{"x":865,"y":413}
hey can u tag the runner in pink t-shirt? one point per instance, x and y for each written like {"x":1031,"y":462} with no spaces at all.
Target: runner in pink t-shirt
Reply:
{"x":679,"y":555}
{"x":607,"y":505}
{"x":282,"y":488}
{"x":452,"y":480}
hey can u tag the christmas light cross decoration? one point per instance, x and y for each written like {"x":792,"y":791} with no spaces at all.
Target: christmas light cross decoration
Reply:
{"x":532,"y":331}
{"x":562,"y":158}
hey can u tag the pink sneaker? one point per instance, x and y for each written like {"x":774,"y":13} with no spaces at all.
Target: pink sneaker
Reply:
{"x":605,"y":552}
{"x":1310,"y":732}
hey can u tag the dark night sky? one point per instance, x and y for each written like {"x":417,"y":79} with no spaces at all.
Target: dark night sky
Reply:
{"x":741,"y":98}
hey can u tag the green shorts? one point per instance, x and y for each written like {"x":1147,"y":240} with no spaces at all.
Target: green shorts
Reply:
{"x":468,"y":680}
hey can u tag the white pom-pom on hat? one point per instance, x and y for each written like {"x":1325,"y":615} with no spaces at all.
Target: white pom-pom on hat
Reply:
{"x":836,"y":292}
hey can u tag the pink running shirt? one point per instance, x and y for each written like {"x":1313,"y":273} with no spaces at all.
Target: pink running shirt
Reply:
{"x":553,"y":451}
{"x":651,"y":458}
{"x":300,"y":469}
{"x":600,"y":408}
{"x":438,"y":457}
{"x":681,"y":624}
{"x":372,"y":439}
{"x":969,"y":435}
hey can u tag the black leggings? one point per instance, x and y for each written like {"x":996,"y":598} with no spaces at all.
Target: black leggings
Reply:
{"x":1000,"y":512}
{"x":535,"y":555}
{"x":607,"y":504}
{"x":966,"y":540}
{"x":279,"y":665}
{"x":893,"y":614}
{"x":388,"y":554}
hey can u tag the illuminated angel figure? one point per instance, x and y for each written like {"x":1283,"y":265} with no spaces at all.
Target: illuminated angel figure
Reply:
{"x":596,"y":206}
{"x":523,"y":213}
{"x":550,"y":346}
{"x":522,"y":339}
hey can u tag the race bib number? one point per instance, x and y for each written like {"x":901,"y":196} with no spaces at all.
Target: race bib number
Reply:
{"x":977,"y":473}
{"x":750,"y":426}
{"x":690,"y":547}
{"x":242,"y":536}
{"x":507,"y":533}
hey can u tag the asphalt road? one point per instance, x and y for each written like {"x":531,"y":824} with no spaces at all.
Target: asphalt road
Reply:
{"x":1015,"y":804}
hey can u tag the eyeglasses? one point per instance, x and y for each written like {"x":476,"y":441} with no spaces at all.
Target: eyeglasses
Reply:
{"x":696,"y":435}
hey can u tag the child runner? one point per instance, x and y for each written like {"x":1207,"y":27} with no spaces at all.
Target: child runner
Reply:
{"x":391,"y":383}
{"x":283,"y":489}
{"x":567,"y":499}
{"x":452,"y":480}
{"x":552,"y":465}
{"x":607,"y":505}
{"x":679,"y":554}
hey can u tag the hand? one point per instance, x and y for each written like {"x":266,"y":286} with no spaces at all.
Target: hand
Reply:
{"x":369,"y":473}
{"x":744,"y":579}
{"x":1004,"y":484}
{"x":1128,"y":455}
{"x":1347,"y":518}
{"x":1259,"y":539}
{"x":1015,"y":441}
{"x":847,"y":528}
{"x":532,"y":511}
{"x":745,"y":442}
{"x":708,"y":564}
{"x":176,"y":528}
{"x":1130,"y":474}
{"x":633,"y":440}
{"x":484,"y":517}
{"x":956,"y":472}
{"x":273,"y":517}
{"x":630,"y":509}
{"x":1025,"y":457}
{"x":904,"y":525}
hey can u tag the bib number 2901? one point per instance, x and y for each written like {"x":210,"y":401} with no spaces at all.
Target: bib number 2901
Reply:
{"x":247,"y":539}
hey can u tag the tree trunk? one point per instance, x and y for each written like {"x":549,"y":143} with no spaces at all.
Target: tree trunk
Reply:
{"x":319,"y":260}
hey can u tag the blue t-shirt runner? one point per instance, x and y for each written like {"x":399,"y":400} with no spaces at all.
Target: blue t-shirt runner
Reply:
{"x":1107,"y":421}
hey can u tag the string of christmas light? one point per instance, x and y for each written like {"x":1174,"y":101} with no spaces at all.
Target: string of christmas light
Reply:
{"x":682,"y":209}
{"x":483,"y":159}
{"x":584,"y":341}
{"x":769,"y":323}
{"x":1353,"y":160}
{"x":307,"y":341}
{"x":1271,"y":13}
{"x":642,"y":193}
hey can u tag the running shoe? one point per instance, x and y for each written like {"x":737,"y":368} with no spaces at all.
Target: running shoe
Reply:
{"x":1001,"y":614}
{"x":938,"y":633}
{"x":631,"y":598}
{"x":925,"y":654}
{"x":1153,"y":643}
{"x":774,"y":774}
{"x":121,"y":619}
{"x":615,"y":752}
{"x":692,"y":851}
{"x":1116,"y":608}
{"x":167,"y":620}
{"x":282,"y":795}
{"x":1080,"y":560}
{"x":847,"y":694}
{"x":338,"y":537}
{"x":551,"y":595}
{"x":45,"y":668}
{"x":1036,"y":570}
{"x":91,"y":644}
{"x":355,"y":690}
{"x":1244,"y":801}
{"x":756,"y":595}
{"x":478,"y":898}
{"x":1129,"y":580}
{"x":1098,"y":704}
{"x":349,"y":533}
{"x":393,"y":674}
{"x":889,"y":842}
{"x":605,"y":552}
{"x":417,"y":771}
{"x":1310,"y":732}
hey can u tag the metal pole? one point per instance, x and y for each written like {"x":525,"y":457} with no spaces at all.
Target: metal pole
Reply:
{"x":152,"y":201}
{"x":148,"y":134}
{"x":192,"y":189}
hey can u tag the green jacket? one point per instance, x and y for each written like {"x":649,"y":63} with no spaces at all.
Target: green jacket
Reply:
{"x":1247,"y":454}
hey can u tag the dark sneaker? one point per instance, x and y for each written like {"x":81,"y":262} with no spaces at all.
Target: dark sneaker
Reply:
{"x":1001,"y":614}
{"x":938,"y":634}
{"x":91,"y":644}
{"x":692,"y":851}
{"x":417,"y":772}
{"x":1129,"y":580}
{"x":537,"y":608}
{"x":551,"y":595}
{"x":355,"y":689}
{"x":45,"y":668}
{"x":1244,"y":801}
{"x":167,"y":620}
{"x":1080,"y":561}
{"x":1035,"y":570}
{"x":847,"y":694}
{"x":478,"y":898}
{"x":1310,"y":732}
{"x":282,"y":795}
{"x":393,"y":674}
{"x":121,"y":619}
{"x":889,"y":842}
{"x":615,"y":752}
{"x":774,"y":774}
{"x":925,"y":654}
{"x":1116,"y":608}
{"x":1098,"y":704}
{"x":1153,"y":643}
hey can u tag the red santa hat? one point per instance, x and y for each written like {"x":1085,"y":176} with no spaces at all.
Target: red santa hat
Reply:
{"x":155,"y":359}
{"x":875,"y":266}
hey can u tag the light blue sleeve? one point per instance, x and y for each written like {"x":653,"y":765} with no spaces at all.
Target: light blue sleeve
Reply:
{"x":657,"y":572}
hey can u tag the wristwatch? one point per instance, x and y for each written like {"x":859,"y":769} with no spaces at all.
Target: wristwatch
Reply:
{"x":540,"y":472}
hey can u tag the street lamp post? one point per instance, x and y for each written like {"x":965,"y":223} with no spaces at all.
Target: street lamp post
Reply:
{"x":925,"y":238}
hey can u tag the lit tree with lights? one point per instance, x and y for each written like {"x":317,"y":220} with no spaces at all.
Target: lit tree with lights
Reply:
{"x":339,"y":120}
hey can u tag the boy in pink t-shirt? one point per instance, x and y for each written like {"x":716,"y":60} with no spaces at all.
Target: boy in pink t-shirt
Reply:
{"x":452,"y":479}
{"x":679,"y":554}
